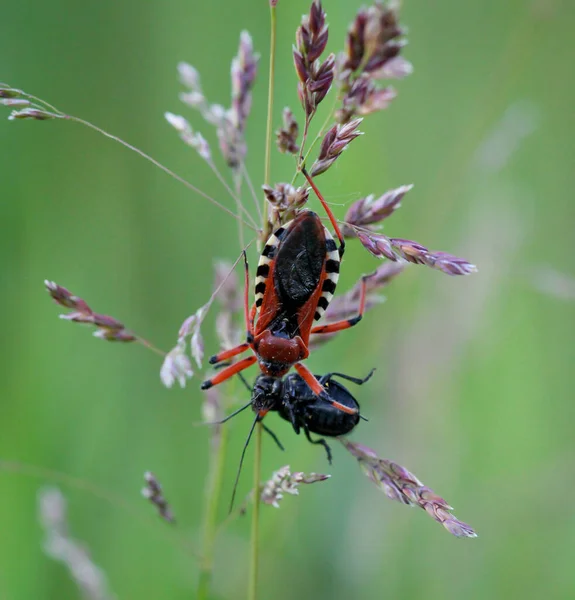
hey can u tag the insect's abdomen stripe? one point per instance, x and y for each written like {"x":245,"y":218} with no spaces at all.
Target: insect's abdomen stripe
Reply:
{"x":328,"y":286}
{"x":332,"y":266}
{"x":332,"y":275}
{"x":263,"y":270}
{"x":330,"y":245}
{"x":264,"y":264}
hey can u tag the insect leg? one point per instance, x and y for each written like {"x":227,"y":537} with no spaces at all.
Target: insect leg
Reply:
{"x":248,"y":387}
{"x":248,"y":315}
{"x":242,"y":461}
{"x":321,"y":442}
{"x":229,"y":372}
{"x":327,"y":209}
{"x":274,"y":437}
{"x":249,"y":320}
{"x":346,"y":323}
{"x":236,"y":412}
{"x":244,"y":380}
{"x":356,"y":380}
{"x":226,"y":354}
{"x":318,"y":389}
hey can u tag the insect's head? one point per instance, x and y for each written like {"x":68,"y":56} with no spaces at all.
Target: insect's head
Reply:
{"x":266,"y":394}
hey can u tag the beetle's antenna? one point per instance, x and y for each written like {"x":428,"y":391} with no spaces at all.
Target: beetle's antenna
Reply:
{"x":236,"y":412}
{"x":242,"y":459}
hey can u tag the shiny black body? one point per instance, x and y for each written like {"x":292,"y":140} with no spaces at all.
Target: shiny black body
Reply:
{"x":295,"y":402}
{"x":298,"y":266}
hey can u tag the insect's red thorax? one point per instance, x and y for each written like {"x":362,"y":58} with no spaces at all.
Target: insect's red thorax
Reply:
{"x":277,"y":355}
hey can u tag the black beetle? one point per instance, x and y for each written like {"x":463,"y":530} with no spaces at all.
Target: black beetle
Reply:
{"x":296,"y":403}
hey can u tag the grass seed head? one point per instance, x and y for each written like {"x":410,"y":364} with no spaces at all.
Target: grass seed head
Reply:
{"x":284,"y":482}
{"x":152,"y":491}
{"x":399,"y":484}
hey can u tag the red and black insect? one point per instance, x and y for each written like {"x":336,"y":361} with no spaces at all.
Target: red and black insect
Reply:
{"x":295,"y":281}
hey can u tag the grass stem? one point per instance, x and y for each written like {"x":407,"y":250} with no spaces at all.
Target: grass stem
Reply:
{"x":212,"y":497}
{"x":269,"y":123}
{"x":254,"y":545}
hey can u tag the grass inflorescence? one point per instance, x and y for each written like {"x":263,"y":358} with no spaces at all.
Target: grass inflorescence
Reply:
{"x":356,"y":77}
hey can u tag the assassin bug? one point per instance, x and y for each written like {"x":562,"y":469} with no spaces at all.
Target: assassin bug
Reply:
{"x":295,"y":281}
{"x":295,"y":402}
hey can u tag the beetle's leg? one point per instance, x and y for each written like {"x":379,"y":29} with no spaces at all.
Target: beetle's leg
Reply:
{"x":326,"y":378}
{"x":274,"y":436}
{"x":247,"y":385}
{"x":320,"y":441}
{"x":291,"y":414}
{"x":318,"y":390}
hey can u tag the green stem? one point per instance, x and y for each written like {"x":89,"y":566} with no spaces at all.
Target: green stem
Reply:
{"x":252,"y":589}
{"x":254,"y":554}
{"x":269,"y":125}
{"x":213,"y":492}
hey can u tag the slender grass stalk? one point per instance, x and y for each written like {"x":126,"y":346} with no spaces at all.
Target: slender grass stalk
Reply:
{"x":248,"y":179}
{"x":269,"y":123}
{"x":235,"y":195}
{"x":58,"y":114}
{"x":254,"y":554}
{"x":213,"y":493}
{"x":238,"y":187}
{"x":303,"y":140}
{"x":254,"y":564}
{"x":171,"y":173}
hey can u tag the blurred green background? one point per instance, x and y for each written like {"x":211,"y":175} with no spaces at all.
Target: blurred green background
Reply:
{"x":473,"y":389}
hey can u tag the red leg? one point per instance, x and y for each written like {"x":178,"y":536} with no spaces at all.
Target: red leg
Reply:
{"x":346,"y":323}
{"x":248,"y":319}
{"x":228,"y":372}
{"x":252,"y":318}
{"x":327,"y":210}
{"x":226,"y":354}
{"x":318,"y":389}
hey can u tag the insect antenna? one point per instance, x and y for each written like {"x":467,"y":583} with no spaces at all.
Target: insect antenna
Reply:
{"x":236,"y":412}
{"x":242,"y":460}
{"x":266,"y":428}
